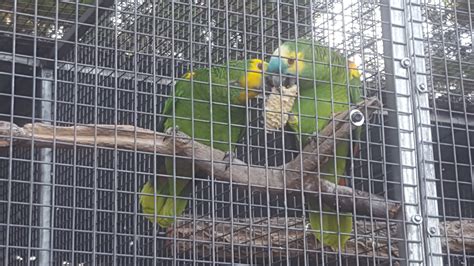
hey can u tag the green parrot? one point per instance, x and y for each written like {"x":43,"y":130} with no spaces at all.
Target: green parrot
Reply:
{"x":192,"y":112}
{"x":328,"y":85}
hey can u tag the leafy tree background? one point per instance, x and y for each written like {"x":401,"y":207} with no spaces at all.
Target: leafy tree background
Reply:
{"x":449,"y":45}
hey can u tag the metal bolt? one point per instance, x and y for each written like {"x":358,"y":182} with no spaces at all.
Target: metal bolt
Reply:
{"x":432,"y":231}
{"x":422,"y":87}
{"x":357,"y":118}
{"x":417,"y":219}
{"x":406,"y":62}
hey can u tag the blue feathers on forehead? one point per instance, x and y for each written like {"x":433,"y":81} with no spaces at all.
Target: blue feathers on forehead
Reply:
{"x":279,"y":60}
{"x":277,"y":64}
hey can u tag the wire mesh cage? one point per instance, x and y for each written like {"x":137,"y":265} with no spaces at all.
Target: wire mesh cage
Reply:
{"x":79,"y":187}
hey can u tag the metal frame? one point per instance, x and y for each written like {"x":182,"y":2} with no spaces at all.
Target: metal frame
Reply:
{"x":407,"y":62}
{"x":46,"y":173}
{"x":424,"y":140}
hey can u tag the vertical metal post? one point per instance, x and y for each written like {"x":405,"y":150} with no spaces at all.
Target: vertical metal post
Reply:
{"x":45,"y":211}
{"x":424,"y":139}
{"x":398,"y":63}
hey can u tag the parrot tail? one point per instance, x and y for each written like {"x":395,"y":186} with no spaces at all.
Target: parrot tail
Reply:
{"x":164,"y":205}
{"x":167,"y":211}
{"x":330,"y":232}
{"x":148,"y":200}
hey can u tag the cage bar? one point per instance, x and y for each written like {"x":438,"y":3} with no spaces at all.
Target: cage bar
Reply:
{"x":425,"y":158}
{"x":46,"y":173}
{"x":397,"y":37}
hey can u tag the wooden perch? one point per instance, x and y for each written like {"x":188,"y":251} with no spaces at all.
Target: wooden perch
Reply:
{"x":372,"y":237}
{"x":210,"y":161}
{"x":261,"y":233}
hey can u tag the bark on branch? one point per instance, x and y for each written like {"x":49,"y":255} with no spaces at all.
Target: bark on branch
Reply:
{"x":279,"y":233}
{"x":211,"y":161}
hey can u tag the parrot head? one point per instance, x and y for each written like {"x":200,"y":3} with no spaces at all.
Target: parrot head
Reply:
{"x":252,"y":79}
{"x":287,"y":61}
{"x":295,"y":59}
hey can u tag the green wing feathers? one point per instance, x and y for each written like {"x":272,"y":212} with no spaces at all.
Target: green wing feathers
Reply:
{"x":330,"y":229}
{"x":336,"y":229}
{"x":195,"y":101}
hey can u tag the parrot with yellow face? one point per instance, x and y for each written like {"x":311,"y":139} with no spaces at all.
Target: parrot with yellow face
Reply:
{"x":210,"y":106}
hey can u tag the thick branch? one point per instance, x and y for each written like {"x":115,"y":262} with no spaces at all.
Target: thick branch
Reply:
{"x":210,"y":161}
{"x":278,"y":232}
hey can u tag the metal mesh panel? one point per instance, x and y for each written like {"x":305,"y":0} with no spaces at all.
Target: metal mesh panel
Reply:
{"x":449,"y":46}
{"x":99,"y":62}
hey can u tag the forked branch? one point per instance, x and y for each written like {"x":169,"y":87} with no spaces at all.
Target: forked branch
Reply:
{"x":211,"y":161}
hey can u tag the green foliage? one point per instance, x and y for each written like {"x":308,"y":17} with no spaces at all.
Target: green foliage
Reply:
{"x":450,"y":50}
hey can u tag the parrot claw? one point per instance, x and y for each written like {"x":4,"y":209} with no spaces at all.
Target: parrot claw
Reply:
{"x":170,"y":132}
{"x":293,"y":121}
{"x":314,"y":136}
{"x":228,"y":156}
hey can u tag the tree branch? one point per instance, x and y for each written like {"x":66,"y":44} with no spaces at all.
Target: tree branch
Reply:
{"x":278,"y":232}
{"x":211,"y":161}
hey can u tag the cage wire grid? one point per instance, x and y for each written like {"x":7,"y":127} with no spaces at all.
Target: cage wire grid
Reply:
{"x":98,"y":62}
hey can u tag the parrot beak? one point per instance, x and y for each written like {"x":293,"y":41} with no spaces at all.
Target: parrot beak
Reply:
{"x":269,"y":81}
{"x":278,"y":81}
{"x":273,"y":77}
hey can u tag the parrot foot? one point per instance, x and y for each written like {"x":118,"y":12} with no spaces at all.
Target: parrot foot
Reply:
{"x":230,"y":157}
{"x":171,"y":131}
{"x":293,"y":121}
{"x":315,"y":136}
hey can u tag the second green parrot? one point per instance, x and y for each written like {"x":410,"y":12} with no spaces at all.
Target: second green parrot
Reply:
{"x":323,"y":81}
{"x":201,"y":110}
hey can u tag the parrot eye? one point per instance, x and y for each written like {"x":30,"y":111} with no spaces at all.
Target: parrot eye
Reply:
{"x":259,"y":66}
{"x":291,"y":61}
